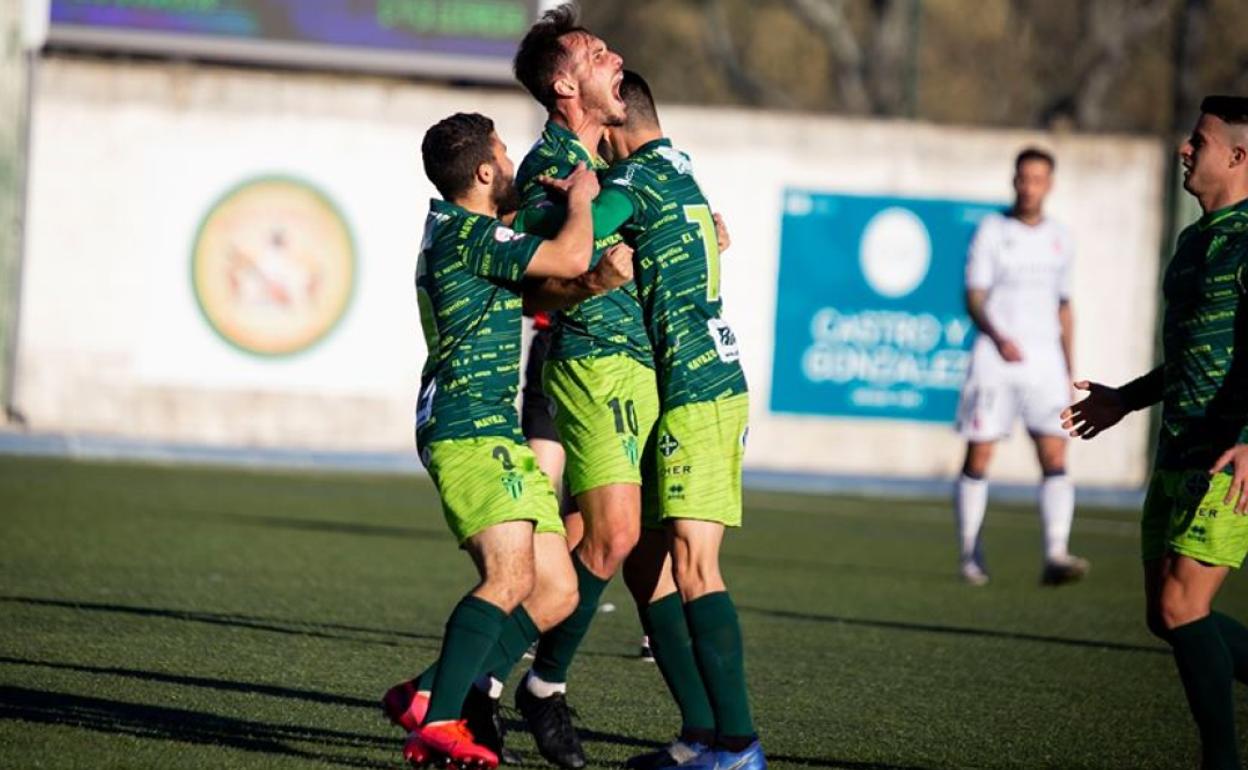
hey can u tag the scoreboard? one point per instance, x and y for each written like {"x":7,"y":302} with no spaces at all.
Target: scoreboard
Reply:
{"x":471,"y":40}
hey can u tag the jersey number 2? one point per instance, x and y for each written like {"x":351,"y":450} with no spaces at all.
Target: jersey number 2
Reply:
{"x":700,"y":215}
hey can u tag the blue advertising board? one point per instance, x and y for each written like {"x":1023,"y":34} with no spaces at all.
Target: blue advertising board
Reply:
{"x":870,"y":314}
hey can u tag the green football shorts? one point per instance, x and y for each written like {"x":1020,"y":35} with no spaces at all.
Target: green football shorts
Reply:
{"x":605,"y":410}
{"x":488,"y":481}
{"x":695,"y":469}
{"x":1184,"y":513}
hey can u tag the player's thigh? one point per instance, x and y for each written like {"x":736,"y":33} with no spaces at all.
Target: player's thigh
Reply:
{"x":550,"y":458}
{"x":611,"y":510}
{"x":1188,"y":588}
{"x":487,"y":481}
{"x":504,"y":552}
{"x":700,"y":448}
{"x":605,"y":411}
{"x":1201,"y":525}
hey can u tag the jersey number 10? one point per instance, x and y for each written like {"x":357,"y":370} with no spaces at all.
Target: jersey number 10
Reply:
{"x":700,"y":215}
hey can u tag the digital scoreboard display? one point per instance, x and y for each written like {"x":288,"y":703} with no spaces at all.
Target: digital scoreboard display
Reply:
{"x":460,"y":39}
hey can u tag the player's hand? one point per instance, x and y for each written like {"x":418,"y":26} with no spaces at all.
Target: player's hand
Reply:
{"x":1100,"y":411}
{"x":721,"y":233}
{"x":1237,"y":493}
{"x":1009,"y":351}
{"x":614,"y":269}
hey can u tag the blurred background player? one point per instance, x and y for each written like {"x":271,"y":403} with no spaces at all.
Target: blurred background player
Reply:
{"x":1018,"y":295}
{"x":1195,"y":523}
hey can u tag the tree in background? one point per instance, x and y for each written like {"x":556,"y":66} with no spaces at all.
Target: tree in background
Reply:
{"x":1107,"y":65}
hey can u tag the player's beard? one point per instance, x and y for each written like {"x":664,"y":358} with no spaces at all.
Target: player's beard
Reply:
{"x":504,"y":193}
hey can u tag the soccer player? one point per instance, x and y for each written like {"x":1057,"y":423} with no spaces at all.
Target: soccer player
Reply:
{"x":1195,"y":528}
{"x":693,"y":476}
{"x":1018,"y":295}
{"x":600,"y":366}
{"x":497,"y":503}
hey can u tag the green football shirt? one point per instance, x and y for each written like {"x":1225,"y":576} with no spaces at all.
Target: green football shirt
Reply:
{"x":468,"y":288}
{"x":1205,"y":401}
{"x":606,"y":325}
{"x":677,"y":265}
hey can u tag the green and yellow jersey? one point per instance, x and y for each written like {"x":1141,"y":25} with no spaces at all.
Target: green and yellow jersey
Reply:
{"x":1205,"y":390}
{"x":468,"y":288}
{"x":676,"y":255}
{"x":601,"y":326}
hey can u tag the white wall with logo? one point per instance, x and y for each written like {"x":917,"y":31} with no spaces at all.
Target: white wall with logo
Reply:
{"x":127,"y":159}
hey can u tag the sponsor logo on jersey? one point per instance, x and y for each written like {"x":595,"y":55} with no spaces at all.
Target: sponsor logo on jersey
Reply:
{"x":668,"y":444}
{"x":273,"y":266}
{"x":725,"y":340}
{"x":504,"y":234}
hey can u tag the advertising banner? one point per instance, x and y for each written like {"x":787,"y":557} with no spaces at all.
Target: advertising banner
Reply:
{"x":870,"y":316}
{"x":464,"y":39}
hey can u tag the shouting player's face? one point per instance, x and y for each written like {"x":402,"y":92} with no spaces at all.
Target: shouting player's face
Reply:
{"x":503,"y":192}
{"x":597,"y":71}
{"x":1211,"y":155}
{"x":1032,"y":183}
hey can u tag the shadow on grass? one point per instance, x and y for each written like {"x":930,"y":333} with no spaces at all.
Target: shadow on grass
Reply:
{"x":986,"y":633}
{"x":317,"y":630}
{"x":161,"y":723}
{"x":182,"y":680}
{"x":335,"y":527}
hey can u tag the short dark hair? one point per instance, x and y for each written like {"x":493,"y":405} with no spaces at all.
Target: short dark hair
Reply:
{"x":638,"y":100}
{"x":1034,"y":153}
{"x":541,"y":52}
{"x":454,"y":148}
{"x":1232,"y":109}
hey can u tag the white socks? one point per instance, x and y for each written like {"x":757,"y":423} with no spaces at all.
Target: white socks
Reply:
{"x":970,"y":503}
{"x":543,"y":689}
{"x":1057,"y":510}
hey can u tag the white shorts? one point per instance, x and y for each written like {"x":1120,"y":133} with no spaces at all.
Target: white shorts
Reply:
{"x":997,"y":393}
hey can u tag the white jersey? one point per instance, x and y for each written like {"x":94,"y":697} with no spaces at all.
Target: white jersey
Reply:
{"x":1026,"y":271}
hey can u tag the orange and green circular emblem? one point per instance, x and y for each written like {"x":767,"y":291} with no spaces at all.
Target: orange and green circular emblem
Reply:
{"x":273,"y":266}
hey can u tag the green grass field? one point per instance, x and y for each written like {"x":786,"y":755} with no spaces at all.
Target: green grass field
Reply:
{"x":175,"y":617}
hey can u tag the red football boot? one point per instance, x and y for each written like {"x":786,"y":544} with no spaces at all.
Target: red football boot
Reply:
{"x":453,"y":740}
{"x":416,"y":752}
{"x":405,"y":706}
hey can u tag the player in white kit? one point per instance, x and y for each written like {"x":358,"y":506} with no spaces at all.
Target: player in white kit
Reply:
{"x":1018,"y":294}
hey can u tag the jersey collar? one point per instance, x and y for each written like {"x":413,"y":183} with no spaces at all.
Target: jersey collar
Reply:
{"x":558,"y":136}
{"x":1215,"y":218}
{"x":654,"y":144}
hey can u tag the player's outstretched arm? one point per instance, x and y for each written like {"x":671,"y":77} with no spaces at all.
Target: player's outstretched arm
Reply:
{"x":612,"y":271}
{"x":1105,"y":406}
{"x":567,"y":255}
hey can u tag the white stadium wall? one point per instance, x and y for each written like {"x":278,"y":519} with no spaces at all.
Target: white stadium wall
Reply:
{"x":127,"y":161}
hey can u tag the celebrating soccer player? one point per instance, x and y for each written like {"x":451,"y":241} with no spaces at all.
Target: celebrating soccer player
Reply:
{"x":1018,"y":294}
{"x":693,"y":480}
{"x":1195,"y":523}
{"x":600,"y":366}
{"x":499,"y":506}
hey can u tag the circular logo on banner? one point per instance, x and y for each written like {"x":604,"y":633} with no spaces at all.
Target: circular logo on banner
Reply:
{"x":273,"y":266}
{"x":896,"y":252}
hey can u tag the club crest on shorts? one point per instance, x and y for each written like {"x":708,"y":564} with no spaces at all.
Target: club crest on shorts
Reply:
{"x":631,"y":450}
{"x":668,"y":444}
{"x":513,"y":482}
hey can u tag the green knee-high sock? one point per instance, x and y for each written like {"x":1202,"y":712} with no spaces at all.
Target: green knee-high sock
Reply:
{"x":717,"y":644}
{"x":1236,"y":638}
{"x":517,"y":635}
{"x":471,"y":631}
{"x":558,"y":645}
{"x":665,"y":624}
{"x":1208,"y":679}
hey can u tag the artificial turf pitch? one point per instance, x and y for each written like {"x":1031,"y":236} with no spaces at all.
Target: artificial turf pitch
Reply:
{"x":177,"y":617}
